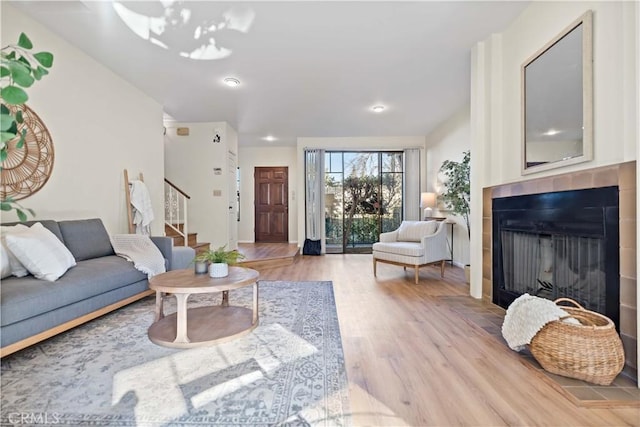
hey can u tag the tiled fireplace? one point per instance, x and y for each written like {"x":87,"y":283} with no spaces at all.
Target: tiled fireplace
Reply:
{"x":615,"y":188}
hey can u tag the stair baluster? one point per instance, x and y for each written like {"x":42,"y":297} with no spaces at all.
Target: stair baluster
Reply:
{"x":175,"y":210}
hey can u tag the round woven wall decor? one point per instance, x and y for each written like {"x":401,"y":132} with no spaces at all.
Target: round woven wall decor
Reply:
{"x":27,"y":169}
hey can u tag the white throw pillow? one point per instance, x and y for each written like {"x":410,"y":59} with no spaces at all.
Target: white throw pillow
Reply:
{"x":5,"y":265}
{"x":15,"y":266}
{"x":41,"y":252}
{"x":414,"y":231}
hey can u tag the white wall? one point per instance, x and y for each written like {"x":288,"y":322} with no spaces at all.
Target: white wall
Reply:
{"x":448,"y":142}
{"x":352,"y":143}
{"x":99,"y":124}
{"x":231,"y":137}
{"x":189,"y":164}
{"x":249,"y":159}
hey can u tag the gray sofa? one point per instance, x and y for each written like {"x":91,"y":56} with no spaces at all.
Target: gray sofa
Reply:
{"x":33,"y":310}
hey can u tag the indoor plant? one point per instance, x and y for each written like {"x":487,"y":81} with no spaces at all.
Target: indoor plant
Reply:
{"x":19,"y":69}
{"x":457,"y":189}
{"x":219,"y":260}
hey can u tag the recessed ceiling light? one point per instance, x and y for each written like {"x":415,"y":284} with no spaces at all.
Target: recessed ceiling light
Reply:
{"x":269,"y":138}
{"x":230,"y":81}
{"x":377,"y":108}
{"x":552,"y":132}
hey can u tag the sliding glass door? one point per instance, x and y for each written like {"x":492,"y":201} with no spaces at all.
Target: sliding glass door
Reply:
{"x":363,"y":197}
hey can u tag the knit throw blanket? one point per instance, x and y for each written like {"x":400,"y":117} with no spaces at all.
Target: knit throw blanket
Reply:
{"x":525,"y":316}
{"x":140,"y":250}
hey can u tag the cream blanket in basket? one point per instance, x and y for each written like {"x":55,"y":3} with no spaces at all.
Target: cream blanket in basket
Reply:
{"x":525,"y":316}
{"x":139,"y":249}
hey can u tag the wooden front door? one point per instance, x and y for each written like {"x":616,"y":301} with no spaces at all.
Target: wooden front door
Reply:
{"x":271,"y":197}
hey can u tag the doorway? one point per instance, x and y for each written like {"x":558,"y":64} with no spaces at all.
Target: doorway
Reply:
{"x":363,"y":198}
{"x":271,"y":195}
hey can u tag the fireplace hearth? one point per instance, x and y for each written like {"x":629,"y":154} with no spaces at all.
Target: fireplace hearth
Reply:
{"x":559,"y":244}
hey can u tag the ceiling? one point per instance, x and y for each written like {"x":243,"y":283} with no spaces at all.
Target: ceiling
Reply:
{"x":306,"y":69}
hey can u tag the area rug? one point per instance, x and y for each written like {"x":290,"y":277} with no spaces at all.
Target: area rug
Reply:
{"x":288,"y":371}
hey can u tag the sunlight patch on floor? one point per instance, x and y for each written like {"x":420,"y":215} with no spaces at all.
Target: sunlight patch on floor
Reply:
{"x":160,"y":385}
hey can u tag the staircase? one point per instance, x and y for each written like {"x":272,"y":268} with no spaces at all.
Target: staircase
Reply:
{"x":178,"y":239}
{"x":175,"y":219}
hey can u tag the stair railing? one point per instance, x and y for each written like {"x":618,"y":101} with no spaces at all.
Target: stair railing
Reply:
{"x":175,"y":210}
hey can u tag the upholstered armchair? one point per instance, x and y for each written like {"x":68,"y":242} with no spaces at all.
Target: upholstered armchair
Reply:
{"x":414,"y":244}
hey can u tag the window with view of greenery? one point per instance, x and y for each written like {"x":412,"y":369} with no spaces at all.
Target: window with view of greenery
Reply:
{"x":363,"y":197}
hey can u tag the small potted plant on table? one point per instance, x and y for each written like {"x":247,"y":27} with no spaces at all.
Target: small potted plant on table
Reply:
{"x":219,"y":260}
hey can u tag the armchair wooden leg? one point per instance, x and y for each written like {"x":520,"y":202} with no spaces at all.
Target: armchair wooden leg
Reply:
{"x":442,"y":268}
{"x":375,"y":261}
{"x":416,"y":269}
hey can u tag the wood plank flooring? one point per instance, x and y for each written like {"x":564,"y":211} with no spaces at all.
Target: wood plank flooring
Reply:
{"x":267,"y":255}
{"x":413,"y":361}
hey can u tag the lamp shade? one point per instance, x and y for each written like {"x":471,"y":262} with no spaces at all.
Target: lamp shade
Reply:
{"x":428,"y":200}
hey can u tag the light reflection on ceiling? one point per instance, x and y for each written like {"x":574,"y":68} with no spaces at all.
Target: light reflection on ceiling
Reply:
{"x":165,"y":26}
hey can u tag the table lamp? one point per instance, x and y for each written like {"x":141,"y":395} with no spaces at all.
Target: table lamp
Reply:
{"x":427,"y":201}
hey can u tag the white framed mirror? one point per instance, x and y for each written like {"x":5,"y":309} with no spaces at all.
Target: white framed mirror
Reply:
{"x":557,"y":100}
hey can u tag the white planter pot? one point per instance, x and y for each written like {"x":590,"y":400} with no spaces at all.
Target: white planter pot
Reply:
{"x":201,"y":267}
{"x":218,"y":269}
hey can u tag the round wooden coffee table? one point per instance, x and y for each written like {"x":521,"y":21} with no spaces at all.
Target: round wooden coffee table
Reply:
{"x":194,"y":327}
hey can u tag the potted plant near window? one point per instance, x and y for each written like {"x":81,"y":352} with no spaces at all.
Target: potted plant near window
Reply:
{"x":219,"y":260}
{"x":457,"y":190}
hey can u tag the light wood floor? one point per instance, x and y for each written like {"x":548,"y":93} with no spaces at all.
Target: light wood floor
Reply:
{"x":267,"y":255}
{"x":411,"y":361}
{"x":266,"y":251}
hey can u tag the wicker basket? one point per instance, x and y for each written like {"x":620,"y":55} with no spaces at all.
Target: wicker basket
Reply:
{"x":591,"y":351}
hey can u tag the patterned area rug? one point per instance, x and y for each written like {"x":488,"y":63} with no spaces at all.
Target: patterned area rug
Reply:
{"x":288,"y":371}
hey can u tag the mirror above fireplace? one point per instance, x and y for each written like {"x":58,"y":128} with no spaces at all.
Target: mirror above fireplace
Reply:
{"x":557,"y":100}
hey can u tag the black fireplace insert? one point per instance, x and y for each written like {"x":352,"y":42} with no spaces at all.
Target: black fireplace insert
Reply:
{"x":560,"y":244}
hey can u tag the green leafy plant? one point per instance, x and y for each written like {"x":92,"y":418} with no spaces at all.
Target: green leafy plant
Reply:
{"x":457,"y":187}
{"x":9,"y":204}
{"x":19,"y":70}
{"x":220,"y":255}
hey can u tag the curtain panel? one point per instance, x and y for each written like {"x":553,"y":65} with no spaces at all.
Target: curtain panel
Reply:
{"x":314,"y":194}
{"x":411,"y":202}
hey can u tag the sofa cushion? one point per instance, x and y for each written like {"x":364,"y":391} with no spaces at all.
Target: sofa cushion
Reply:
{"x":86,"y":238}
{"x":26,"y":297}
{"x":41,"y":252}
{"x":414,"y":231}
{"x":400,"y":248}
{"x":34,"y":325}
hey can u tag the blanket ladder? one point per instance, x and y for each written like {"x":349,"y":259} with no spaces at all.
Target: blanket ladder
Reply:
{"x":127,"y":192}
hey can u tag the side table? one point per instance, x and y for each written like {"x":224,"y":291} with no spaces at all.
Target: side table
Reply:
{"x":451,"y":223}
